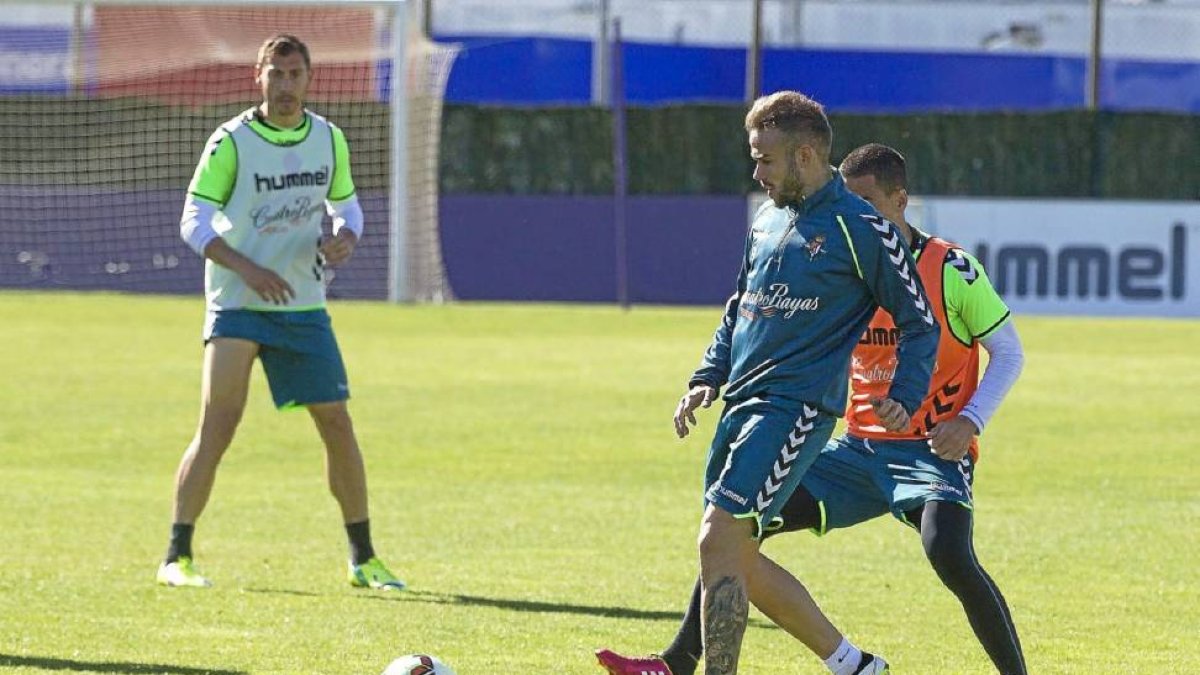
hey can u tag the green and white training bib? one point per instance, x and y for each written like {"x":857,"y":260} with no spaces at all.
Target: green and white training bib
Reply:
{"x":271,"y":206}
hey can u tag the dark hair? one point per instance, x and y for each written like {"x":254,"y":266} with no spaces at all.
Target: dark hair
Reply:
{"x":283,"y":44}
{"x":884,"y":164}
{"x":794,"y":114}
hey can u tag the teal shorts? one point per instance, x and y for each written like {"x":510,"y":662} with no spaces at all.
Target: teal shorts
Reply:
{"x":298,"y":351}
{"x":855,"y":480}
{"x":759,"y":452}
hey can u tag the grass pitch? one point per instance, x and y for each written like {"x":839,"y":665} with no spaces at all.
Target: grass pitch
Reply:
{"x":526,"y":482}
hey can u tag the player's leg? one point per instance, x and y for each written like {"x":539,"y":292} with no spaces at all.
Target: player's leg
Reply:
{"x":223,"y":389}
{"x":835,"y":492}
{"x":683,"y":655}
{"x":780,"y":596}
{"x":728,"y":554}
{"x":934,"y":496}
{"x":772,"y":445}
{"x":304,"y":368}
{"x":347,"y":476}
{"x":848,"y":496}
{"x":344,"y":466}
{"x":946,"y":533}
{"x":224,"y":384}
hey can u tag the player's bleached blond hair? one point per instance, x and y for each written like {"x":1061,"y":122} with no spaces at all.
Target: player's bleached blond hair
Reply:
{"x":796,"y":115}
{"x":283,"y":44}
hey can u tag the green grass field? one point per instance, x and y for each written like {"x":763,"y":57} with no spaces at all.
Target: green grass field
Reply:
{"x":526,"y":482}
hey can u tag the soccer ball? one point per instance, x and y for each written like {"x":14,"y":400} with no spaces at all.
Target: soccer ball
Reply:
{"x":417,"y":664}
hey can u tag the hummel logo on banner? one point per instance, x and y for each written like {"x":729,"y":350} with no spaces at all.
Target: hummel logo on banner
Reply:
{"x":959,"y":262}
{"x":787,"y":455}
{"x":891,"y":242}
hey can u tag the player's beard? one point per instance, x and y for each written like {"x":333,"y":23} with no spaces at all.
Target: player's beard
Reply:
{"x":790,"y":189}
{"x":286,"y":104}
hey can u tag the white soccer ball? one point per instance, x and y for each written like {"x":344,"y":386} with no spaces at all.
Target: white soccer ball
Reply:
{"x":417,"y":664}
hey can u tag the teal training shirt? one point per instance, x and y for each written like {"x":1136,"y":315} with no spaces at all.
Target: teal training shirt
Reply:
{"x":812,"y":276}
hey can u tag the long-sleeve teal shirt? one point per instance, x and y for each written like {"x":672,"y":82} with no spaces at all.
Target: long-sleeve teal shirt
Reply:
{"x":812,"y":275}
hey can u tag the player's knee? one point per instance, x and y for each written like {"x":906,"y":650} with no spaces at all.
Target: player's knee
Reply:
{"x":709,"y":539}
{"x":952,"y":560}
{"x":218,"y":424}
{"x":722,"y":535}
{"x":332,"y":417}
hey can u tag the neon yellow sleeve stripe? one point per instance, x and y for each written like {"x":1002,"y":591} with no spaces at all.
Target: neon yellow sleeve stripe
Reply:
{"x":822,"y":529}
{"x":342,"y":187}
{"x":850,"y":243}
{"x":217,"y":170}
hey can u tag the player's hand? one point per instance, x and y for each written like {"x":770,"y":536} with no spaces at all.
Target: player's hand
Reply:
{"x":891,"y":414}
{"x":269,"y":285}
{"x":951,"y":439}
{"x":337,"y":250}
{"x":698,"y":396}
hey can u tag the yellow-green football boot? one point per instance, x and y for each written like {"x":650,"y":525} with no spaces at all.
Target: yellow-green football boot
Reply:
{"x":182,"y":572}
{"x":374,"y":574}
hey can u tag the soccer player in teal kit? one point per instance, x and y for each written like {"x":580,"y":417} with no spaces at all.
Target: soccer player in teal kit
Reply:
{"x":923,"y":475}
{"x":818,"y":262}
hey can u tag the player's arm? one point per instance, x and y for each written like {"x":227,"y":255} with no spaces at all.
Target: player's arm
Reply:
{"x":1006,"y":360}
{"x":886,"y":266}
{"x":716,"y":364}
{"x":342,"y":205}
{"x":978,"y":314}
{"x":211,"y":186}
{"x":210,"y":189}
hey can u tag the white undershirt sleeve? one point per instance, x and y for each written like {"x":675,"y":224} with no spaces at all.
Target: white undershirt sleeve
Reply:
{"x":196,"y":224}
{"x":346,"y":213}
{"x":1006,"y":359}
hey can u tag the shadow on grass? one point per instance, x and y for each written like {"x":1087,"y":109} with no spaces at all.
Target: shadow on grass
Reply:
{"x":539,"y":606}
{"x":283,"y":591}
{"x":47,"y":663}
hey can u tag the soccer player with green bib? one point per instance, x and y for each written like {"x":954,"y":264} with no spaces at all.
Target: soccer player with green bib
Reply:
{"x":254,"y":210}
{"x":921,"y":475}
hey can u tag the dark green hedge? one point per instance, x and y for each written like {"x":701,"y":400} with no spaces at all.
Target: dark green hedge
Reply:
{"x":702,"y":150}
{"x":672,"y":150}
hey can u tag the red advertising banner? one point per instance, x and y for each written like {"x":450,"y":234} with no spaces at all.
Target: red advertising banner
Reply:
{"x":206,"y":55}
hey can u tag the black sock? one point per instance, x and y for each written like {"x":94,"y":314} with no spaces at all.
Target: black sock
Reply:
{"x":360,"y":541}
{"x":181,"y":542}
{"x":683,"y":655}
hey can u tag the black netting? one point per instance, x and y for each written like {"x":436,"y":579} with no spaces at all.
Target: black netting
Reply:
{"x":92,"y":180}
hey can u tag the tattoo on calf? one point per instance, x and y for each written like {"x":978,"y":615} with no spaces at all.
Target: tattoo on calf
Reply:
{"x":726,"y":609}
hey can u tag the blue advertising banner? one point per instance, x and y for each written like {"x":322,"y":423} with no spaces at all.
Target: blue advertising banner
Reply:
{"x":520,"y":70}
{"x":536,"y":71}
{"x":35,"y":59}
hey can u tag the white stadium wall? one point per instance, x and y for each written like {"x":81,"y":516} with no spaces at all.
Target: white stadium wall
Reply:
{"x":1067,"y":256}
{"x":1074,"y":257}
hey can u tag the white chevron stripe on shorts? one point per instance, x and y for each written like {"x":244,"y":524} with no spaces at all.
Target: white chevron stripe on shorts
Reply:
{"x":964,"y":468}
{"x":895,"y":252}
{"x":787,"y":455}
